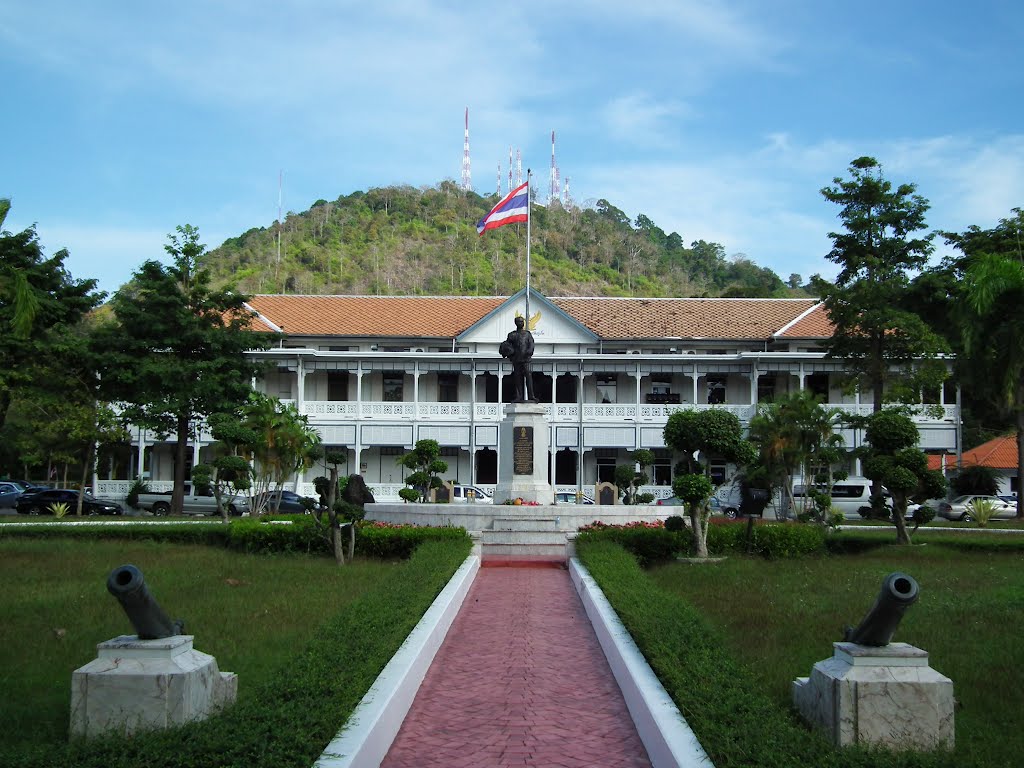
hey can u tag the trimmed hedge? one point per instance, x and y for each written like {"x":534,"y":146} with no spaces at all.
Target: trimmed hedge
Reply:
{"x":656,"y":544}
{"x":252,"y":535}
{"x":875,"y":537}
{"x":769,"y":540}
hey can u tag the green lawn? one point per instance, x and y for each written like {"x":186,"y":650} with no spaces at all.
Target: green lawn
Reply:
{"x":251,"y":612}
{"x":780,"y":617}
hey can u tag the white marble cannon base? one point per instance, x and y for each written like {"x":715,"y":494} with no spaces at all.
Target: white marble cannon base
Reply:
{"x":885,"y":696}
{"x":137,"y":684}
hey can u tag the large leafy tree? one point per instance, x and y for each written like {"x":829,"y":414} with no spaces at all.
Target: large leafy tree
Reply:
{"x":940,"y":297}
{"x":992,"y":332}
{"x":176,"y":353}
{"x":877,"y":333}
{"x":40,"y":302}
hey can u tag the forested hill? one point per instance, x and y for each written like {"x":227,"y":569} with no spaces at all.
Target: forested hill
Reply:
{"x":401,"y":240}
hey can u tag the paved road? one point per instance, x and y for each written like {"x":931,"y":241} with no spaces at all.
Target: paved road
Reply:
{"x":519,"y":681}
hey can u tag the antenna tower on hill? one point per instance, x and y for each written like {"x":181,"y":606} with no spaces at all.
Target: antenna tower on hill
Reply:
{"x":554,"y":192}
{"x":498,"y":190}
{"x":519,"y":167}
{"x":467,"y":177}
{"x":510,"y":187}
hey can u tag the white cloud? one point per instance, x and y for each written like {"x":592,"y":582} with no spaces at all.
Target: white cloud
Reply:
{"x":641,"y":119}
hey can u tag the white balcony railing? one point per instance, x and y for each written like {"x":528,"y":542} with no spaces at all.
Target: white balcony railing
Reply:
{"x":329,"y":410}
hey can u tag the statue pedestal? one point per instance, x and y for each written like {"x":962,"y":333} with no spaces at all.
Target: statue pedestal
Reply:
{"x":886,"y":696}
{"x":137,"y":684}
{"x":523,"y":455}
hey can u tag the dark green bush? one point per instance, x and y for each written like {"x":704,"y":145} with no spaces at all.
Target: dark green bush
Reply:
{"x":387,"y":541}
{"x":255,"y":536}
{"x":648,"y":544}
{"x":674,"y":523}
{"x":769,"y":540}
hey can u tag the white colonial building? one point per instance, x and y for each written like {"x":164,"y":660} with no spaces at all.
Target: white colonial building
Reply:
{"x":376,"y":374}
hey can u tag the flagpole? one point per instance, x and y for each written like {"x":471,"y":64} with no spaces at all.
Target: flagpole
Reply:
{"x":528,"y":205}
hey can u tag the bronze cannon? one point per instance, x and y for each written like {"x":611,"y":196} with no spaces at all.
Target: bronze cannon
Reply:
{"x":899,"y":592}
{"x":150,"y":622}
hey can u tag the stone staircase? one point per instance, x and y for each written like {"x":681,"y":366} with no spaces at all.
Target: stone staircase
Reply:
{"x":526,"y":539}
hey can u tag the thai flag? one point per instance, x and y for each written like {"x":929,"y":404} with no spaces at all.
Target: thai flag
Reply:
{"x":515,"y":207}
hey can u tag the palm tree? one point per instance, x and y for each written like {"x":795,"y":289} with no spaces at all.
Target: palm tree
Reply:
{"x":795,"y":436}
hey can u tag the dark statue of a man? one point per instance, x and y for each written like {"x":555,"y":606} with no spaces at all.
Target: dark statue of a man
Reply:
{"x":518,"y":348}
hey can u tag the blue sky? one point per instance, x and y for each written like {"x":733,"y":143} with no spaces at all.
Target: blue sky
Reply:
{"x":718,"y":120}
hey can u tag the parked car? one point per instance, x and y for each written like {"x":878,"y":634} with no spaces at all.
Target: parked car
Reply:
{"x":38,"y":503}
{"x":9,"y":494}
{"x":291,"y":502}
{"x":205,"y":504}
{"x":851,"y":496}
{"x":716,"y":505}
{"x":1009,"y":498}
{"x":568,"y":497}
{"x":913,"y":507}
{"x":962,"y":508}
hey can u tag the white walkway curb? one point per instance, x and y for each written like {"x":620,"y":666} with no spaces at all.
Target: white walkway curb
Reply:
{"x":662,"y":728}
{"x":369,"y":732}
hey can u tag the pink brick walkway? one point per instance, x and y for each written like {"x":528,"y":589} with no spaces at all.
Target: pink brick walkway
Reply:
{"x":519,"y":681}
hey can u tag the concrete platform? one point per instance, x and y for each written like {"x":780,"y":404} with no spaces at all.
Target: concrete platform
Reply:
{"x":504,"y":531}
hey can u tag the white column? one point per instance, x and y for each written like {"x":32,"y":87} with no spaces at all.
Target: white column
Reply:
{"x":416,"y":389}
{"x":472,"y":426}
{"x":552,"y":452}
{"x":359,"y":398}
{"x":300,"y":396}
{"x":753,"y":385}
{"x":142,"y":455}
{"x":695,"y":374}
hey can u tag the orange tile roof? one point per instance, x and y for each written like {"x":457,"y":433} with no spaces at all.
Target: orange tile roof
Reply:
{"x":1000,"y":453}
{"x":401,"y":316}
{"x":612,"y":318}
{"x":609,"y":318}
{"x":814,"y":325}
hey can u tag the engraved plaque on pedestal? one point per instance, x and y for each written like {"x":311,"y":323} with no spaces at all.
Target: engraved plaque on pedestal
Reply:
{"x":522,"y":451}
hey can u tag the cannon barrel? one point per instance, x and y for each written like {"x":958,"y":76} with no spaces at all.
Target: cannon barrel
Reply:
{"x":150,"y":622}
{"x":899,"y":592}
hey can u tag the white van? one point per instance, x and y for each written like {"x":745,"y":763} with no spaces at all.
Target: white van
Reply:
{"x":470,"y":494}
{"x":849,"y":496}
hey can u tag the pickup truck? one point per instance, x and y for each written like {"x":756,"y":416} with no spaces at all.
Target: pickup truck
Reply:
{"x":160,"y":504}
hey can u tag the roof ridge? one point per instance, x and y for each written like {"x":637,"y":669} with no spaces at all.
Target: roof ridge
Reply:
{"x":360,"y":296}
{"x":798,"y":318}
